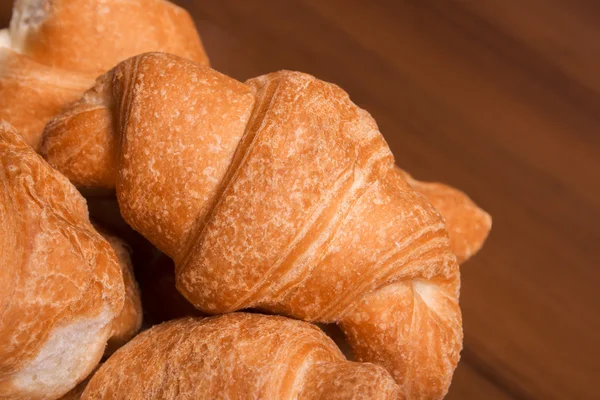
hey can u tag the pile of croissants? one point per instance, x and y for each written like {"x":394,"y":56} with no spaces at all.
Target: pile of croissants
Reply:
{"x":277,"y":200}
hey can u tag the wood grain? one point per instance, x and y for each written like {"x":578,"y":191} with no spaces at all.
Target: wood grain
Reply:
{"x":501,"y":99}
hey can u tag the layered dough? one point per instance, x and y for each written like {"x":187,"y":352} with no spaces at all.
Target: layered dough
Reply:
{"x":278,"y":194}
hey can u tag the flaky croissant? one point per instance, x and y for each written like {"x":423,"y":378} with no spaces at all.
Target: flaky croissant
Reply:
{"x":277,"y":194}
{"x":54,"y":49}
{"x":61,"y":287}
{"x":467,"y":224}
{"x":236,"y":356}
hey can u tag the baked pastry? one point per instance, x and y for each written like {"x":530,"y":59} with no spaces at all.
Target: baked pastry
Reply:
{"x":77,"y":391}
{"x":87,"y":165}
{"x":278,"y":194}
{"x":53,"y":51}
{"x":236,"y":356}
{"x":129,"y":321}
{"x":61,"y":286}
{"x":468,"y":225}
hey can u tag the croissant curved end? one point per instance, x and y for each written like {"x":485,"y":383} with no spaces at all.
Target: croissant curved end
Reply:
{"x":468,"y":225}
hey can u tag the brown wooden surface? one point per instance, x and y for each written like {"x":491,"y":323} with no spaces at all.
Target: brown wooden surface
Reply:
{"x":499,"y":98}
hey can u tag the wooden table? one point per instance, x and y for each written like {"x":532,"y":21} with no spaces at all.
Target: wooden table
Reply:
{"x":499,"y":98}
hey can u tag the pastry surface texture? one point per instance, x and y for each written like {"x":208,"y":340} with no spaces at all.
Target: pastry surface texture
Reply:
{"x":61,"y":286}
{"x":278,"y":194}
{"x":236,"y":356}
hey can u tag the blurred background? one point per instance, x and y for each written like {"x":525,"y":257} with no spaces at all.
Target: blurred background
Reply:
{"x":498,"y":98}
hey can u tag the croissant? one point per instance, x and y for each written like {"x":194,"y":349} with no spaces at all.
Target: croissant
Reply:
{"x":236,"y":356}
{"x":53,"y":51}
{"x":129,"y":321}
{"x":48,"y":248}
{"x":278,"y":194}
{"x":468,"y":225}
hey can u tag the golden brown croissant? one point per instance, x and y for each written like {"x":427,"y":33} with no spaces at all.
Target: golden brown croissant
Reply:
{"x":277,"y":194}
{"x":128,"y":322}
{"x":53,"y":51}
{"x":467,"y":224}
{"x":236,"y":356}
{"x":61,"y":287}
